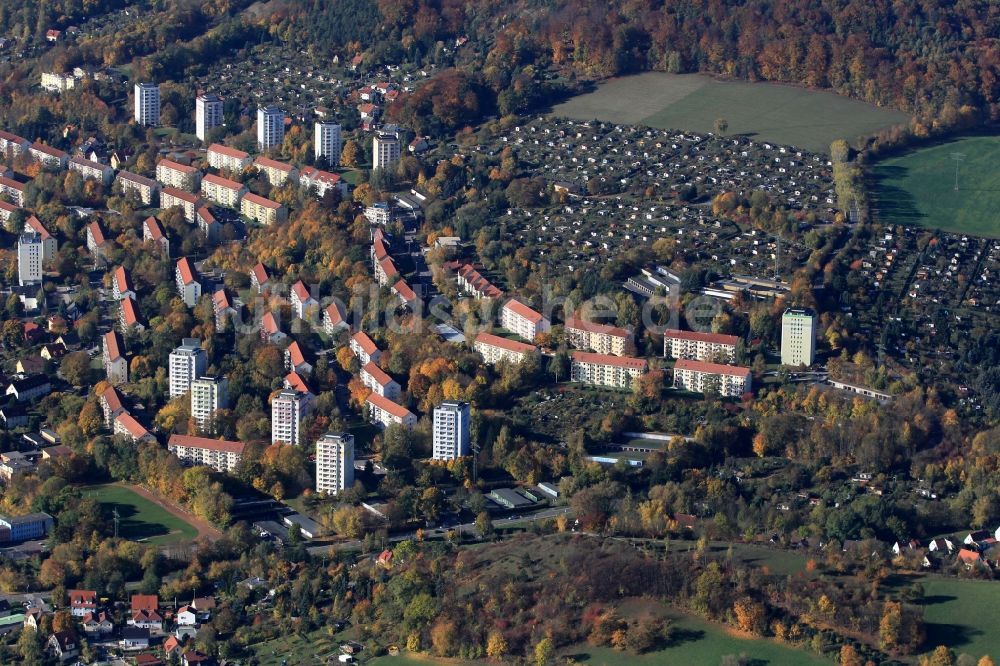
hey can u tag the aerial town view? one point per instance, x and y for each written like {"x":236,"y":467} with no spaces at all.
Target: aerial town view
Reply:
{"x":527,"y":332}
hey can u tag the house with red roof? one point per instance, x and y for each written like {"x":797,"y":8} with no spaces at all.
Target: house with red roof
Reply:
{"x":259,"y":279}
{"x":295,"y":360}
{"x":153,"y":232}
{"x":81,"y":602}
{"x":269,"y":330}
{"x":301,"y":300}
{"x":333,"y":319}
{"x":121,"y":284}
{"x":188,"y":287}
{"x":128,"y":316}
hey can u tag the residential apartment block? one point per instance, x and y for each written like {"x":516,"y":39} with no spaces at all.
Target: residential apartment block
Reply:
{"x":364,"y":348}
{"x":288,"y":409}
{"x":219,"y":454}
{"x":115,"y":363}
{"x":94,"y":170}
{"x":188,"y":286}
{"x":228,"y":159}
{"x":605,"y":369}
{"x":47,"y":156}
{"x":171,"y":197}
{"x":270,"y":127}
{"x":207,"y":114}
{"x":326,"y":143}
{"x":222,"y":191}
{"x":146,"y":189}
{"x":147,"y":104}
{"x":798,"y":337}
{"x":208,"y":395}
{"x":379,"y":382}
{"x":385,"y":151}
{"x":521,"y":320}
{"x":385,"y":412}
{"x":186,"y":363}
{"x":494,"y":349}
{"x":301,"y":300}
{"x":452,"y":438}
{"x":29,"y":259}
{"x":262,"y":210}
{"x":180,"y":176}
{"x":600,"y":338}
{"x":321,"y":182}
{"x":334,"y":462}
{"x":701,"y":377}
{"x":714,"y":347}
{"x":277,"y":173}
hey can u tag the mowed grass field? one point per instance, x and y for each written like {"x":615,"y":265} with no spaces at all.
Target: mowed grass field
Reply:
{"x":140,"y":519}
{"x":808,"y":119}
{"x":962,"y":614}
{"x":918,"y":188}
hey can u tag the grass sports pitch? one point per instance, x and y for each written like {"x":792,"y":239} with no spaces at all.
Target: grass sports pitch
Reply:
{"x":142,"y":520}
{"x":918,"y":188}
{"x":783,"y":114}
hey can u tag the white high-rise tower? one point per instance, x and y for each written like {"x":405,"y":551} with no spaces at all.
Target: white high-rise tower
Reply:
{"x":208,"y":113}
{"x":334,"y":462}
{"x":147,"y":104}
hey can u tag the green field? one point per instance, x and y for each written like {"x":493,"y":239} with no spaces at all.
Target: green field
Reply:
{"x":918,"y":188}
{"x":962,"y":614}
{"x":295,"y":650}
{"x":799,"y":117}
{"x":140,"y":519}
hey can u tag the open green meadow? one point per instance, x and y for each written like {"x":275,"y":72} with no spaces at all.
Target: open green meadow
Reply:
{"x":962,"y":614}
{"x":142,"y":520}
{"x":809,"y":119}
{"x":918,"y":188}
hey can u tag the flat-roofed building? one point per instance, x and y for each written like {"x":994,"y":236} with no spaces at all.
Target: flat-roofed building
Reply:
{"x":334,"y":462}
{"x":798,"y":337}
{"x":730,"y":381}
{"x":208,"y":396}
{"x":452,"y":433}
{"x":147,"y":104}
{"x":715,"y":347}
{"x":605,"y":369}
{"x":186,"y":363}
{"x":326,"y":143}
{"x":288,"y":409}
{"x":207,"y":114}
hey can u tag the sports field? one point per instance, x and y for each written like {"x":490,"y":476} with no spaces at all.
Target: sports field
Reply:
{"x":141,"y":519}
{"x":799,"y":117}
{"x":918,"y":188}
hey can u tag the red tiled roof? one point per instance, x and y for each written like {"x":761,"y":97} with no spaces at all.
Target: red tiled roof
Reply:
{"x":48,"y":150}
{"x":696,"y":336}
{"x":81,"y":597}
{"x":227,"y":151}
{"x":95,"y":231}
{"x":205,"y":215}
{"x":607,"y":359}
{"x":155,"y":230}
{"x":712,"y":368}
{"x":113,"y":344}
{"x":592,"y":327}
{"x":504,"y":343}
{"x":260,"y":273}
{"x":269,"y":324}
{"x":187,"y":197}
{"x":301,"y":291}
{"x":522,"y":310}
{"x":176,"y":166}
{"x":9,"y":207}
{"x":295,"y":354}
{"x":36,"y":225}
{"x":136,"y":178}
{"x":294,"y":381}
{"x":380,"y":251}
{"x":11,"y":183}
{"x":312,"y":173}
{"x":112,"y":398}
{"x":387,"y":405}
{"x":187,"y":272}
{"x":7,"y":136}
{"x":268,"y":163}
{"x":333,"y":312}
{"x":260,"y":201}
{"x":133,"y":427}
{"x":122,"y":280}
{"x":404,"y":291}
{"x":377,"y":373}
{"x":365,"y":342}
{"x":129,"y":311}
{"x":221,"y":300}
{"x":145,"y":602}
{"x":206,"y":443}
{"x":388,"y":267}
{"x":83,"y":161}
{"x":221,"y":182}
